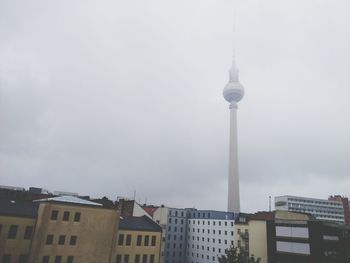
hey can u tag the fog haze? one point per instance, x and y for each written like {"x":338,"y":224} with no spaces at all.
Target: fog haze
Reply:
{"x":109,"y":97}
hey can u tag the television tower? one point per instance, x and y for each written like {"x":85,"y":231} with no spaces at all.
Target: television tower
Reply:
{"x":233,"y":93}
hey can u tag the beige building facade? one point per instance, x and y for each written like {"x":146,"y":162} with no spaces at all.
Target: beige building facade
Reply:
{"x":139,"y":241}
{"x":66,"y":232}
{"x":15,"y":238}
{"x":251,"y":235}
{"x":74,"y":230}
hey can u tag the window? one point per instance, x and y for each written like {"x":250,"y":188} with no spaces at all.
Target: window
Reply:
{"x":23,"y":258}
{"x":54,"y":215}
{"x":137,"y":258}
{"x":58,"y":259}
{"x":45,"y":259}
{"x":121,"y":239}
{"x":6,"y":258}
{"x":70,"y":259}
{"x":289,"y":231}
{"x":49,"y":239}
{"x":61,"y":239}
{"x":28,"y":232}
{"x":12,"y":232}
{"x":128,"y":241}
{"x":146,"y":240}
{"x":139,"y":240}
{"x":153,"y":242}
{"x":293,"y":247}
{"x":65,"y":216}
{"x":73,"y":240}
{"x":118,"y":259}
{"x":77,"y":217}
{"x":126,"y":257}
{"x":144,"y":259}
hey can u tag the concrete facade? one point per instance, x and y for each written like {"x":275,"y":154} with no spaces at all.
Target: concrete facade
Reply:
{"x":328,"y":210}
{"x":288,"y":237}
{"x":73,"y":230}
{"x":209,"y":234}
{"x":174,"y":225}
{"x":135,"y":246}
{"x":15,"y":238}
{"x":70,"y":230}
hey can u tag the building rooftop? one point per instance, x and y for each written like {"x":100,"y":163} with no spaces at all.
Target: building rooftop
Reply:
{"x":212,"y":214}
{"x":20,"y":209}
{"x":68,"y":199}
{"x":142,"y":223}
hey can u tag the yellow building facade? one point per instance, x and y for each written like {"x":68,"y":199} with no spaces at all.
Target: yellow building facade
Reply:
{"x":74,"y":230}
{"x":16,"y":232}
{"x":139,"y":241}
{"x":76,"y":233}
{"x":251,"y":236}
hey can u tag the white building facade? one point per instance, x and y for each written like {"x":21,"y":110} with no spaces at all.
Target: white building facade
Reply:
{"x":320,"y":208}
{"x":174,"y":231}
{"x":209,"y":234}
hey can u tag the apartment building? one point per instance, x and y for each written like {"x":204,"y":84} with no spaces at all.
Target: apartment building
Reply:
{"x":331,"y":210}
{"x":139,"y":241}
{"x":17,"y":222}
{"x":70,"y":229}
{"x":286,"y":237}
{"x":251,"y":234}
{"x":346,"y":206}
{"x":210,"y":233}
{"x":173,"y":222}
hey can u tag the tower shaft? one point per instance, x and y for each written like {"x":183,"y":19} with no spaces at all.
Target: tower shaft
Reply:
{"x":233,"y":204}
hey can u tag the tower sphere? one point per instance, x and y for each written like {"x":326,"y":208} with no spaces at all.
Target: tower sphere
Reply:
{"x":233,"y":92}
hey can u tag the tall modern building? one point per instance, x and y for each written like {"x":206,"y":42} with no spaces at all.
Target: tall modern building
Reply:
{"x":233,"y":93}
{"x":333,"y":210}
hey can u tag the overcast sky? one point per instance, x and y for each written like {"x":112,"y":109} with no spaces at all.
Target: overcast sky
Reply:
{"x":107,"y":97}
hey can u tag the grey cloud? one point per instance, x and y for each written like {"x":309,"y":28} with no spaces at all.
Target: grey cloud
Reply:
{"x":110,"y":97}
